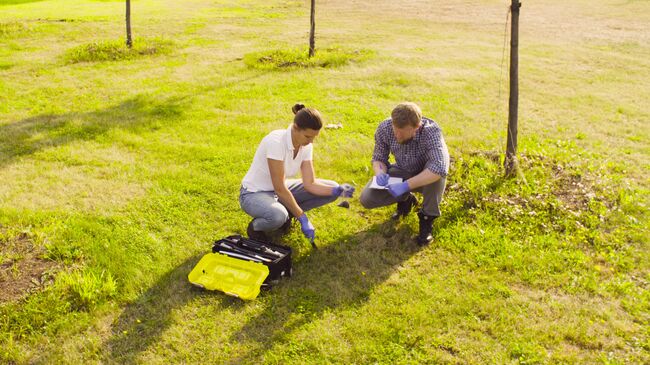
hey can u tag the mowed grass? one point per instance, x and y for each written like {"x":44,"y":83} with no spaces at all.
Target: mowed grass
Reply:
{"x":123,"y":171}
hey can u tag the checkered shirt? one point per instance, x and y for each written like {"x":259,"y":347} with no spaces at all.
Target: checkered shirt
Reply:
{"x":426,"y":150}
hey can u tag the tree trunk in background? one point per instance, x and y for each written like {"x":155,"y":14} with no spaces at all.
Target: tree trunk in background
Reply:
{"x":510,"y":163}
{"x":129,"y":42}
{"x":312,"y":28}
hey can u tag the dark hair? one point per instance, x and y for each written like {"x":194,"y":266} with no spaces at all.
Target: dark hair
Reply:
{"x":306,"y":118}
{"x":406,"y":114}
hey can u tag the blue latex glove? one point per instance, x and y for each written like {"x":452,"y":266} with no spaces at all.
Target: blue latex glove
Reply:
{"x":306,"y":227}
{"x":344,"y":190}
{"x":382,"y":179}
{"x":398,"y":189}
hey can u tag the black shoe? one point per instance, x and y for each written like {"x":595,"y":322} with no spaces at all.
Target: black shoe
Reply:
{"x":256,"y":235}
{"x":426,"y":226}
{"x":405,"y":207}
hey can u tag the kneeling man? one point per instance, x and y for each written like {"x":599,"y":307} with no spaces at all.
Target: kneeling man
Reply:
{"x":421,"y":160}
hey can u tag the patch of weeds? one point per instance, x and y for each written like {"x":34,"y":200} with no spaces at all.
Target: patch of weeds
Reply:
{"x":88,"y":289}
{"x":65,"y":251}
{"x":559,"y":226}
{"x":117,"y":50}
{"x":527,"y":353}
{"x":299,"y":58}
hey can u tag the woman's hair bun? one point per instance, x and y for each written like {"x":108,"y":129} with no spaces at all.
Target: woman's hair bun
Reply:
{"x":297,"y":107}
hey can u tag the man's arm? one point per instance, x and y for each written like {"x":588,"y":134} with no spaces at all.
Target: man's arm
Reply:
{"x":437,"y":164}
{"x":381,"y":152}
{"x":379,"y":167}
{"x":425,"y":177}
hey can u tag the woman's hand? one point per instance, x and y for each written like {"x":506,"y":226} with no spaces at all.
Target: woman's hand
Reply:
{"x":306,"y":227}
{"x":344,"y":190}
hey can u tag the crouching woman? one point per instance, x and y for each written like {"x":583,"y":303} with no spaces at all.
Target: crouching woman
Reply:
{"x":272,"y":199}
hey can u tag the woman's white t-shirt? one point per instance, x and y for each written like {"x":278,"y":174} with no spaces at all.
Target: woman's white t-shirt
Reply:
{"x":277,"y":145}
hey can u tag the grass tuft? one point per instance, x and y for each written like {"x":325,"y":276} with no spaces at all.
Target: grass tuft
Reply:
{"x":11,"y":29}
{"x":299,"y":58}
{"x":117,"y":50}
{"x":88,"y":289}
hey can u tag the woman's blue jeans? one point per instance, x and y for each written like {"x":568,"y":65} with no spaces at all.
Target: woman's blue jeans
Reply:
{"x":267,"y":211}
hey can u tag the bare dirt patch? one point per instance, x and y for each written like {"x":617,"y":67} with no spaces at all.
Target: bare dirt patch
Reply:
{"x":22,"y":268}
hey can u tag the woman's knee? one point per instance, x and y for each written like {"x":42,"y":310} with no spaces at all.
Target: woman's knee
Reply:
{"x":277,"y":217}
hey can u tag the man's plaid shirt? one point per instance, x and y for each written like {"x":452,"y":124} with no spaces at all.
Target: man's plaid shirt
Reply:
{"x":426,"y":150}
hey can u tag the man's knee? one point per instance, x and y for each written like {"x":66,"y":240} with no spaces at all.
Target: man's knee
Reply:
{"x":366,"y":199}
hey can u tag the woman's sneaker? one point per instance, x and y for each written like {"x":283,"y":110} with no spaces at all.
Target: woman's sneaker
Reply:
{"x":256,"y":235}
{"x":284,"y":229}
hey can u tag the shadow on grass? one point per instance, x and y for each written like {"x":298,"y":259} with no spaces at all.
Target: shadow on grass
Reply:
{"x":31,"y":135}
{"x":340,"y":274}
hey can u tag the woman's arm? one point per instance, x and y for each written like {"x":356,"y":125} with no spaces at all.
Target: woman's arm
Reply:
{"x":276,"y":168}
{"x":309,"y":180}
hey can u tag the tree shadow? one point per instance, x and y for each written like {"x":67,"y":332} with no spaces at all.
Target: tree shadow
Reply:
{"x":31,"y":135}
{"x":140,"y":113}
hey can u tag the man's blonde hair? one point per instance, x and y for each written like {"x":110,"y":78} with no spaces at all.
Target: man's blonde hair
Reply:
{"x":406,"y":114}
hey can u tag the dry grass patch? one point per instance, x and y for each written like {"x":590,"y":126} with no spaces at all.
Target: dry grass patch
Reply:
{"x":75,"y":188}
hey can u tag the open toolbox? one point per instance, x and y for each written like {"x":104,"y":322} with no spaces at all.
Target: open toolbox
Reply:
{"x":240,"y":266}
{"x":276,"y":257}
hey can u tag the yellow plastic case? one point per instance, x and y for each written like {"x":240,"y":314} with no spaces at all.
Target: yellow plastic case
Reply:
{"x":239,"y":278}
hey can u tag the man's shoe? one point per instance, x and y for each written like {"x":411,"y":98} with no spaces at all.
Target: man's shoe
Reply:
{"x":424,"y":236}
{"x":256,"y":235}
{"x":405,"y":207}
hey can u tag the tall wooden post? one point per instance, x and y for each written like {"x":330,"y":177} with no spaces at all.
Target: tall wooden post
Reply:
{"x":312,"y":28}
{"x":510,"y":163}
{"x":129,"y":42}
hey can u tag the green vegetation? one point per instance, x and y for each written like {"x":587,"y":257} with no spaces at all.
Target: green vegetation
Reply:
{"x":330,"y":57}
{"x":117,"y":176}
{"x":116,"y":50}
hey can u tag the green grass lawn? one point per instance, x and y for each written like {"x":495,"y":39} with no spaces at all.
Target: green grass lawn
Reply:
{"x":119,"y":168}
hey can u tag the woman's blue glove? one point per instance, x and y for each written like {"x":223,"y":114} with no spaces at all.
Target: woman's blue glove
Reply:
{"x":344,"y":190}
{"x":306,"y":227}
{"x":382,"y":179}
{"x":398,"y":189}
